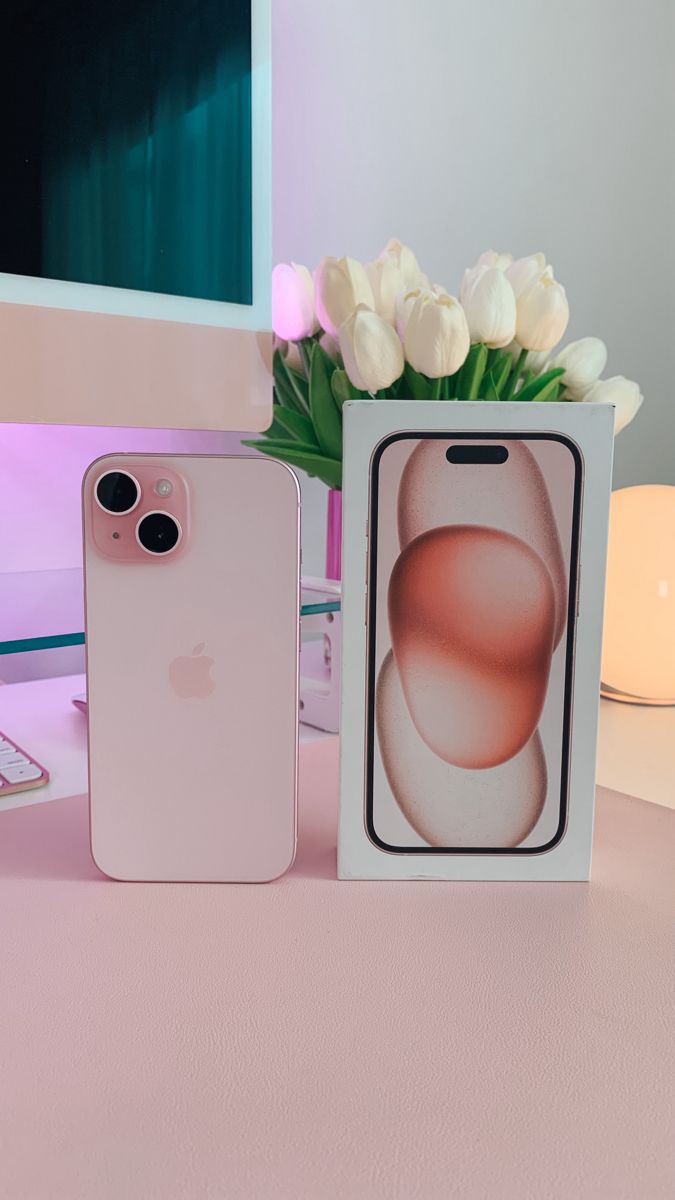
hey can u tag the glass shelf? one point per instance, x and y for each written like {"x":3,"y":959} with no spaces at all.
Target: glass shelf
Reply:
{"x":64,"y":589}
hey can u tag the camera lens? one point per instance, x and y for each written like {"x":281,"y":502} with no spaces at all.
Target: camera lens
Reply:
{"x":117,"y":492}
{"x":158,"y":532}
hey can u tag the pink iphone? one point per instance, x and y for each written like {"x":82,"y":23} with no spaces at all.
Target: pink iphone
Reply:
{"x":192,"y":603}
{"x":472,"y":593}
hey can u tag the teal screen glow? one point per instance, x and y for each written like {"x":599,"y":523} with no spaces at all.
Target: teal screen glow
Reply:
{"x":127,"y":144}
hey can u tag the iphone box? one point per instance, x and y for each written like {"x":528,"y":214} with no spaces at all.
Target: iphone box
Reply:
{"x":474,"y":549}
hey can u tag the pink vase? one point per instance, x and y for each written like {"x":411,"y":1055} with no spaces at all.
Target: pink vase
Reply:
{"x":334,"y":535}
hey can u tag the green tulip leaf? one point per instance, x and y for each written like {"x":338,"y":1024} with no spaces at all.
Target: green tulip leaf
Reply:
{"x":396,"y":391}
{"x":305,"y":458}
{"x":418,"y":386}
{"x":488,"y":389}
{"x":496,"y":376}
{"x":537,"y":387}
{"x":548,"y":393}
{"x":277,"y":429}
{"x":299,"y":383}
{"x":343,"y":389}
{"x":286,"y":393}
{"x":323,"y":409}
{"x":340,"y":387}
{"x":286,"y":421}
{"x":291,"y":384}
{"x":472,"y":372}
{"x":450,"y":385}
{"x":305,"y":347}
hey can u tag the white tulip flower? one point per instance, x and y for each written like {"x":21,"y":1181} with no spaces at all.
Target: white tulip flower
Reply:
{"x":405,"y":303}
{"x":386,"y":280}
{"x":340,"y":285}
{"x":583,"y":362}
{"x":493,"y":258}
{"x":490,"y":305}
{"x":542,"y":313}
{"x":293,"y":315}
{"x":537,"y":361}
{"x":524,"y":270}
{"x":404,"y":259}
{"x":622,"y":393}
{"x":437,"y":338}
{"x":371,"y":350}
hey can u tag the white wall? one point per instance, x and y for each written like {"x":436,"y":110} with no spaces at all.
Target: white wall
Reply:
{"x":524,"y":125}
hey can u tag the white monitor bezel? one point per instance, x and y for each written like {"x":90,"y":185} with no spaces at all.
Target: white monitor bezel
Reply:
{"x":85,"y":297}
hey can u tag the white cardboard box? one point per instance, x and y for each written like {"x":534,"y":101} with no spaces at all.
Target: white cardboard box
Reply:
{"x":476,"y":786}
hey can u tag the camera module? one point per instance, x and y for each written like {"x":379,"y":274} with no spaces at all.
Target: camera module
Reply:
{"x":158,"y":532}
{"x":117,"y":492}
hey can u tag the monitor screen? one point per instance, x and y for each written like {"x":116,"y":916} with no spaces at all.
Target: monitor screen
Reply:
{"x":127,"y":157}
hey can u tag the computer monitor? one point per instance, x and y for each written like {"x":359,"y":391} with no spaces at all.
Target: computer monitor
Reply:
{"x":135,"y":213}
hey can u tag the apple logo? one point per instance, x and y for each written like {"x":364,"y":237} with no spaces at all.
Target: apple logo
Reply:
{"x":190,"y":677}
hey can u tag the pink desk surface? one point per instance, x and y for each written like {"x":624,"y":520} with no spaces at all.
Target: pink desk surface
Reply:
{"x":315,"y":1039}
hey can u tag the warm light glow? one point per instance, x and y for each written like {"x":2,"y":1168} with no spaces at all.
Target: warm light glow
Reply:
{"x":639,"y":643}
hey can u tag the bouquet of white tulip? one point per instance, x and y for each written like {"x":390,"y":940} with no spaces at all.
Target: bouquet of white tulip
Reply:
{"x":383,"y":330}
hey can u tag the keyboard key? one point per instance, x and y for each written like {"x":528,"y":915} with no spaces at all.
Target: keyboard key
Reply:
{"x":21,"y":774}
{"x":13,"y":760}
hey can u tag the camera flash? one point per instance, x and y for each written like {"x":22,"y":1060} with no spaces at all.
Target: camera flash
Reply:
{"x":163,"y":487}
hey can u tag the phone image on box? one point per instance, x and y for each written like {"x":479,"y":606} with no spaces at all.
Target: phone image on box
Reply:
{"x":473,"y":548}
{"x":192,"y":603}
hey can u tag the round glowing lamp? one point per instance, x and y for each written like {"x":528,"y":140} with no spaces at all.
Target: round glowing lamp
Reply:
{"x":638,"y":654}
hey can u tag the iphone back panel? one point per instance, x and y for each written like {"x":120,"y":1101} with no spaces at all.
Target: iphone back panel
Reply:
{"x":192,"y":613}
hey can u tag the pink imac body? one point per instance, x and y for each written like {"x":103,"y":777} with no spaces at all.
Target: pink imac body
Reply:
{"x":136,"y":240}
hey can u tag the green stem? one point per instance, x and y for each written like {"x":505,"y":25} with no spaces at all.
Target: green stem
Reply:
{"x":304,"y":347}
{"x":472,"y":372}
{"x":451,"y":385}
{"x":511,"y":385}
